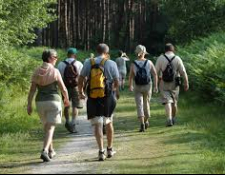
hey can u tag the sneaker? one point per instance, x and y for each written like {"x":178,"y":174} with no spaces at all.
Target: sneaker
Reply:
{"x":52,"y":154}
{"x":147,"y":125}
{"x":169,"y":123}
{"x":142,"y":129}
{"x":45,"y":157}
{"x":101,"y":156}
{"x":110,"y":153}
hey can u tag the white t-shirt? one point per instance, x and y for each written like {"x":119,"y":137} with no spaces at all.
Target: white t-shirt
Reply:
{"x":177,"y":63}
{"x":62,"y":66}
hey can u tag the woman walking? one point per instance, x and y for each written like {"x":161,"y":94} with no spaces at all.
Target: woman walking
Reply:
{"x":46,"y":79}
{"x":140,"y":72}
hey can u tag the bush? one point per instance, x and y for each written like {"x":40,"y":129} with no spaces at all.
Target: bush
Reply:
{"x":205,"y":61}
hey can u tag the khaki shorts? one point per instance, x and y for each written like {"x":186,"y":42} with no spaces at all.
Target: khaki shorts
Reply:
{"x":101,"y":120}
{"x":50,"y":112}
{"x":170,"y":93}
{"x":143,"y":95}
{"x":74,"y":97}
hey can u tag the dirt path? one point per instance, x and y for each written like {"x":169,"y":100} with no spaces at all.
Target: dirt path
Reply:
{"x":78,"y":156}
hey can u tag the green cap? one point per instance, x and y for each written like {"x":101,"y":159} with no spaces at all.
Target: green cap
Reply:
{"x":72,"y":51}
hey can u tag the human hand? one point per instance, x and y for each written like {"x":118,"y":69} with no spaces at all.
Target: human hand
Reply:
{"x":186,"y":87}
{"x":29,"y":109}
{"x":131,"y":88}
{"x":66,"y":103}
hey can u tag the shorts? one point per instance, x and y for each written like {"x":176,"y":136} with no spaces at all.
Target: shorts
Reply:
{"x":74,"y":97}
{"x":101,"y":107}
{"x":50,"y":112}
{"x":102,"y":120}
{"x":123,"y":75}
{"x":170,"y":97}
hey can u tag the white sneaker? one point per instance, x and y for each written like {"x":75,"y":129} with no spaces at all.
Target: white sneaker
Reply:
{"x":101,"y":156}
{"x":110,"y":153}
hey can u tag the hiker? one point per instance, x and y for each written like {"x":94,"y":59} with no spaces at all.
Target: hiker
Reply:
{"x":170,"y":67}
{"x":103,"y":89}
{"x":141,"y":83}
{"x":46,"y":79}
{"x":70,"y":70}
{"x":121,"y":64}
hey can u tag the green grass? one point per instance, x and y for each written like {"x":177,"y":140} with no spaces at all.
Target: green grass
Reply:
{"x":195,"y":145}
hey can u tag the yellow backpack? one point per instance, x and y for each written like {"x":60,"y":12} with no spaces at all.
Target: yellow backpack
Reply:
{"x":97,"y":80}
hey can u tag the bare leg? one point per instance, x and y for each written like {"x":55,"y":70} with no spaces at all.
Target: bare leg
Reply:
{"x":174,"y":110}
{"x":49,"y":132}
{"x":110,"y":134}
{"x":75,"y":114}
{"x":99,"y":136}
{"x":67,"y":114}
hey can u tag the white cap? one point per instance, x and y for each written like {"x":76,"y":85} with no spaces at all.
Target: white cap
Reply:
{"x":140,"y":50}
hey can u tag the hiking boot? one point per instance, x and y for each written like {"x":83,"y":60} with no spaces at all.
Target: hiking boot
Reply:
{"x":101,"y":156}
{"x":52,"y":154}
{"x":142,"y":129}
{"x":147,"y":125}
{"x":169,"y":123}
{"x":110,"y":153}
{"x":68,"y":127}
{"x":45,"y":157}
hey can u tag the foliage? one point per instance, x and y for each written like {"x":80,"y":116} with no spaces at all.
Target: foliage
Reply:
{"x":193,"y":18}
{"x":19,"y":18}
{"x":204,"y":59}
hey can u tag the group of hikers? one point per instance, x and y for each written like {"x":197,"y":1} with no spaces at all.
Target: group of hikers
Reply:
{"x":99,"y":81}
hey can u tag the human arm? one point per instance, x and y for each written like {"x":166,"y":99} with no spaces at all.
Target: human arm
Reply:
{"x":183,"y":73}
{"x":155,"y":76}
{"x":63,"y":89}
{"x":131,"y":78}
{"x":32,"y":92}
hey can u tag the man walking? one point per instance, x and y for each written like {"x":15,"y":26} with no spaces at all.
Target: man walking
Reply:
{"x":170,"y":68}
{"x":103,"y":86}
{"x":70,"y":70}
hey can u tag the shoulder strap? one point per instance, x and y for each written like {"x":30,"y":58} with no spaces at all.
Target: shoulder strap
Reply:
{"x":103,"y":62}
{"x":170,"y":61}
{"x":74,"y":62}
{"x":92,"y":62}
{"x":135,"y":63}
{"x":66,"y":63}
{"x":145,"y":63}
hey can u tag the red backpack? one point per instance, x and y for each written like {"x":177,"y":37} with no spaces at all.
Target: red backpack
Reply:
{"x":71,"y":75}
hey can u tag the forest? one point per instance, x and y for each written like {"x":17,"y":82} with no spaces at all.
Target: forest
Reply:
{"x":195,"y":27}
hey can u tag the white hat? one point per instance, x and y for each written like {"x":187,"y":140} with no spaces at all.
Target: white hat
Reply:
{"x":140,"y":50}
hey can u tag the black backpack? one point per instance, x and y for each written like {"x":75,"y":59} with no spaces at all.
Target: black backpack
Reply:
{"x":169,"y":74}
{"x":142,"y":77}
{"x":71,"y":75}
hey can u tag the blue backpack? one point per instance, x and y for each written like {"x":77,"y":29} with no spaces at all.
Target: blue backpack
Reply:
{"x":142,"y":77}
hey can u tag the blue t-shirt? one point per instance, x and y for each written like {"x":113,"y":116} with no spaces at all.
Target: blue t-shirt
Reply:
{"x":111,"y":70}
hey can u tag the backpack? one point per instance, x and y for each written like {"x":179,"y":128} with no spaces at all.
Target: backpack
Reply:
{"x":142,"y":77}
{"x":70,"y":75}
{"x":169,"y":74}
{"x":97,"y":80}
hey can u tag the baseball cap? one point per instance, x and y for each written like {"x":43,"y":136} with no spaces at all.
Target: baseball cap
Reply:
{"x":73,"y":51}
